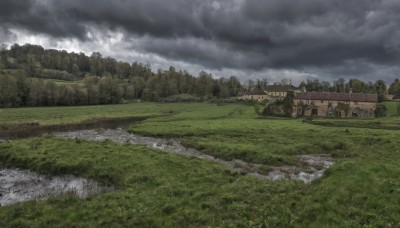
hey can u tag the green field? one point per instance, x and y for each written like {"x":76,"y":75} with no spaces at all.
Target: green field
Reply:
{"x":156,"y":189}
{"x":63,"y":115}
{"x":391,"y":107}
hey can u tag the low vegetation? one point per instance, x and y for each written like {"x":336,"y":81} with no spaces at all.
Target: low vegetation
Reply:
{"x":159,"y":189}
{"x":392,"y":108}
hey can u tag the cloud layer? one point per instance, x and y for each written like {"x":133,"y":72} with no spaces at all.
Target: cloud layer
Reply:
{"x":323,"y":38}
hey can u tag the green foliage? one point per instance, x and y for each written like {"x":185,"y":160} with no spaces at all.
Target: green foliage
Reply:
{"x":282,"y":107}
{"x":343,"y":107}
{"x":114,"y":81}
{"x":394,"y":88}
{"x":380,"y":110}
{"x":288,"y":104}
{"x":381,"y":90}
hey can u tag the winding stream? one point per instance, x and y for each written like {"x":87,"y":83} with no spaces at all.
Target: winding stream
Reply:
{"x":313,"y":166}
{"x":22,"y":185}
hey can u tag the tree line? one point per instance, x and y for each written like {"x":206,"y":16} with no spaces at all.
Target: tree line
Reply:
{"x":28,"y":74}
{"x":340,"y":86}
{"x":25,"y":72}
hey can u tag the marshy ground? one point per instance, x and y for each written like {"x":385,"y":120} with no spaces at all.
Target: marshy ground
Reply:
{"x":310,"y":166}
{"x":155,"y":188}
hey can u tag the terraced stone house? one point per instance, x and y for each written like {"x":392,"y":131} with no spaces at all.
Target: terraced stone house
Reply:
{"x":328,"y":104}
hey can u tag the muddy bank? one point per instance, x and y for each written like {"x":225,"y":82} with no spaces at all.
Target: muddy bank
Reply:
{"x":21,"y":185}
{"x":311,"y":166}
{"x":26,"y":130}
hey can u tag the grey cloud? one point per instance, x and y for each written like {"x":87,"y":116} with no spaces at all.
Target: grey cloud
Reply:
{"x":322,"y":35}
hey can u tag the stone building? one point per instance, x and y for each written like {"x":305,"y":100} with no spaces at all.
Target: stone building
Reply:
{"x":256,"y":95}
{"x":271,"y":92}
{"x":281,"y":91}
{"x":327,"y":104}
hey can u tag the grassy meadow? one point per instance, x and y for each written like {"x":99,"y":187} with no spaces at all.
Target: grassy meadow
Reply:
{"x":156,"y":189}
{"x":391,"y":107}
{"x":76,"y":114}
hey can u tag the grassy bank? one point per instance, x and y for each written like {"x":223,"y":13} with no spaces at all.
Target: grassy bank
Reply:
{"x":164,"y":190}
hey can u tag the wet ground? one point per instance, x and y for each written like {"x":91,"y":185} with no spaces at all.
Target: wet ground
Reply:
{"x":21,"y":185}
{"x":26,"y":130}
{"x":311,"y":166}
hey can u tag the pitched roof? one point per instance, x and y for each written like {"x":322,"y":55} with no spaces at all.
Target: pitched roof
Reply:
{"x":281,"y":88}
{"x":360,"y":97}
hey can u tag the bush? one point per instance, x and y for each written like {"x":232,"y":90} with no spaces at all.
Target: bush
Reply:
{"x":380,"y":110}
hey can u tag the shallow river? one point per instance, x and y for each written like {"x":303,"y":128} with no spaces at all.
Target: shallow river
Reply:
{"x":312,"y":166}
{"x":22,"y":185}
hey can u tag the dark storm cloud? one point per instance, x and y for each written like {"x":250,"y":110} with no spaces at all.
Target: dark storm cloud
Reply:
{"x":239,"y":34}
{"x":39,"y":16}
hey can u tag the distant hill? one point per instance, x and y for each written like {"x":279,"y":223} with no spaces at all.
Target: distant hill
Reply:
{"x":33,"y":76}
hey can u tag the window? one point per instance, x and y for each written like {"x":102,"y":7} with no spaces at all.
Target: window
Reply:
{"x":322,"y":101}
{"x":314,"y":112}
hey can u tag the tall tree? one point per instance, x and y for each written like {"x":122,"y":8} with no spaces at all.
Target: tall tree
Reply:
{"x":3,"y":56}
{"x":380,"y":88}
{"x":394,"y":88}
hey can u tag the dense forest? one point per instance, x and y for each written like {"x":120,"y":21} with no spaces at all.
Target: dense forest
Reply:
{"x":28,"y":74}
{"x":33,"y":76}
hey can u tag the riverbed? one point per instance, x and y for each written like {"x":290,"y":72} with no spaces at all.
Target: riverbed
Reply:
{"x":23,"y":185}
{"x":312,"y":165}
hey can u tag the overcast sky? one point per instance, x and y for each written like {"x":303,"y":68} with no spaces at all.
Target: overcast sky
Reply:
{"x":274,"y":39}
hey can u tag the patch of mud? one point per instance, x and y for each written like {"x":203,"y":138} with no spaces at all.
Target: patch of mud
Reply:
{"x":22,"y":185}
{"x":313,"y":166}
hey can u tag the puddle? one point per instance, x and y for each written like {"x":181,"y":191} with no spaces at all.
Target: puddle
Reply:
{"x":21,"y":185}
{"x":313,"y":166}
